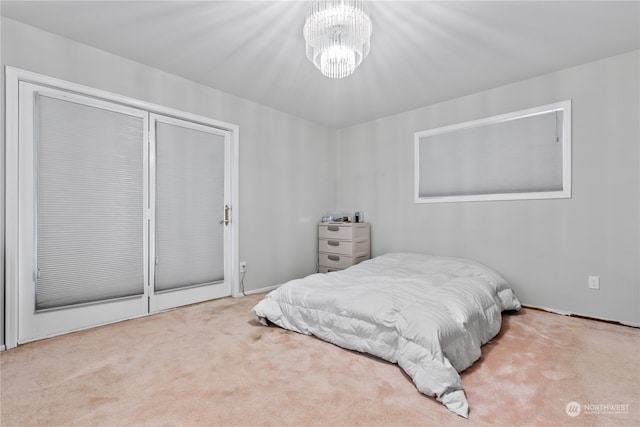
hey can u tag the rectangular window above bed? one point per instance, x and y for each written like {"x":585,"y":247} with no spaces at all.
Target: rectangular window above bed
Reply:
{"x":520,"y":155}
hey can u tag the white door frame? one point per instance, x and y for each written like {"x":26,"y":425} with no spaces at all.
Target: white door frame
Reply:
{"x":12,"y":197}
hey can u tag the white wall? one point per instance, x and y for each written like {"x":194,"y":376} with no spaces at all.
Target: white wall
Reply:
{"x":287,"y":164}
{"x":545,"y":248}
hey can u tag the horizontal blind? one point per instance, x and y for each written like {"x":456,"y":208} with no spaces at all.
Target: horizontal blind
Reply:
{"x":89,"y":241}
{"x":189,"y":207}
{"x":515,"y":156}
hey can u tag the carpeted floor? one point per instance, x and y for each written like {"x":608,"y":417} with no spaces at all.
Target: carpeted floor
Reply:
{"x":211,"y":364}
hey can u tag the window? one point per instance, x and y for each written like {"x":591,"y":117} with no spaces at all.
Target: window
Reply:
{"x":520,"y":155}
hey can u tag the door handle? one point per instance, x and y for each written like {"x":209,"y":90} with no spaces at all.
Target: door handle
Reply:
{"x":226,"y":220}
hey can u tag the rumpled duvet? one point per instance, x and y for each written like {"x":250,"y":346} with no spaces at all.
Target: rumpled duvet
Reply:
{"x":429,"y":314}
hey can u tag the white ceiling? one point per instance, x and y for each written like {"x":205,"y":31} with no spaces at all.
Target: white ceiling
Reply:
{"x":422,"y":52}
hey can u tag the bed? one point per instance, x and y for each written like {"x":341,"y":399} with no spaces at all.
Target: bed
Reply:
{"x":429,"y":314}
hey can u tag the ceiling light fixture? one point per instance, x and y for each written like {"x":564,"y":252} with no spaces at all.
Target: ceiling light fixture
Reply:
{"x":337,"y":35}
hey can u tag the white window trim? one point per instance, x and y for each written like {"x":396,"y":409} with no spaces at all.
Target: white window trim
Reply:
{"x":565,"y":106}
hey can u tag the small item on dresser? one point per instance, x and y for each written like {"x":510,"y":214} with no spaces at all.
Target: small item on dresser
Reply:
{"x":335,"y":217}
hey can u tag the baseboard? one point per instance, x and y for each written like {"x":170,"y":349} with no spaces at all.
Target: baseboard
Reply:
{"x":566,"y":313}
{"x":2,"y":348}
{"x":261,"y":290}
{"x":549,"y":310}
{"x":631,"y":324}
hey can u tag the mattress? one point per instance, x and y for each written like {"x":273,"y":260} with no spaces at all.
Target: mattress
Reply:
{"x":429,"y":314}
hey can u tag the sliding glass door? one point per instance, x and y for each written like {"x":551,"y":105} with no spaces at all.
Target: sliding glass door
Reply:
{"x":122,"y":212}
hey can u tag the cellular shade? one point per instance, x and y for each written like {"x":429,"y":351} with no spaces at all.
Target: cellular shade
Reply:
{"x":521,"y":155}
{"x":189,"y":203}
{"x":89,"y":201}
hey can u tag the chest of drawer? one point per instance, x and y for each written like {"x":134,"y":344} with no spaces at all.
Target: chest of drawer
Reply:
{"x":341,"y":245}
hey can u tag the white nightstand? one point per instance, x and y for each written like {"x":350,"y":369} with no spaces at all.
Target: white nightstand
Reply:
{"x":341,"y":245}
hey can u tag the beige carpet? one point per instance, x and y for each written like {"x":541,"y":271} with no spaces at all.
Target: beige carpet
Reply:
{"x":211,"y":364}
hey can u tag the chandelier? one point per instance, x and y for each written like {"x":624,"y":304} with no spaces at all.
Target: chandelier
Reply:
{"x":337,"y":34}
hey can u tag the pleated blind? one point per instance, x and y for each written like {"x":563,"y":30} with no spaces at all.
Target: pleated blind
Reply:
{"x":89,"y":241}
{"x":189,"y":203}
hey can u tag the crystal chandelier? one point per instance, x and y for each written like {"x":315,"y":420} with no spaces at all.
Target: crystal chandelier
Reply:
{"x":337,"y":34}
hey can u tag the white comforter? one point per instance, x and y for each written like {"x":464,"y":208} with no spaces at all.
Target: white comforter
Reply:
{"x":429,"y":314}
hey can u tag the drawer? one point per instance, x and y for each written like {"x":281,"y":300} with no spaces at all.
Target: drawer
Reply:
{"x":332,"y":231}
{"x":344,"y":232}
{"x":343,"y":247}
{"x":332,"y":261}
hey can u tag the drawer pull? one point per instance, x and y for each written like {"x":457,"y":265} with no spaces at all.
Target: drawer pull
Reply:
{"x":333,"y":243}
{"x":334,"y":257}
{"x":333,"y":228}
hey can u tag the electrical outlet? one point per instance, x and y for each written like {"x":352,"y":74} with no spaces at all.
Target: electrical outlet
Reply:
{"x":594,"y":282}
{"x":243,"y":266}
